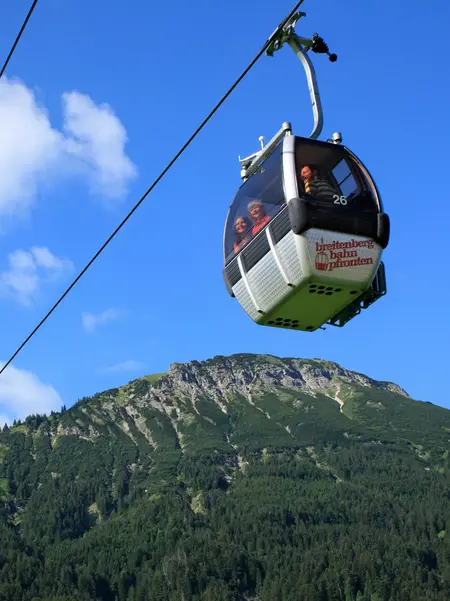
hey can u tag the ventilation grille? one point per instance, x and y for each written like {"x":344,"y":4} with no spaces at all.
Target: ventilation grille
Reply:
{"x":327,"y":290}
{"x":323,"y":290}
{"x":282,"y":322}
{"x":233,"y":273}
{"x":291,"y":324}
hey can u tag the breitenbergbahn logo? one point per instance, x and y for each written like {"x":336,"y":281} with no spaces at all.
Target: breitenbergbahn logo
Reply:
{"x":338,"y":255}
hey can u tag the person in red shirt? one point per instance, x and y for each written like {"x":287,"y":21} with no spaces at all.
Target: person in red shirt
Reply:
{"x":258,"y":215}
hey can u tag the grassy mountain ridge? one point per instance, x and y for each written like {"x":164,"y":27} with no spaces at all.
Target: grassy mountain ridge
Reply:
{"x":239,"y":477}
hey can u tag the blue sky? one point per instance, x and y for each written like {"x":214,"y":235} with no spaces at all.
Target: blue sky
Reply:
{"x":156,"y":295}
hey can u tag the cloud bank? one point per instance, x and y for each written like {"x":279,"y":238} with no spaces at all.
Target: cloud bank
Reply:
{"x":91,"y":145}
{"x":22,"y":393}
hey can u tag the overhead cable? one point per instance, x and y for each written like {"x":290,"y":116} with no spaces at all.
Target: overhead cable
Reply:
{"x":144,"y":196}
{"x":19,"y":35}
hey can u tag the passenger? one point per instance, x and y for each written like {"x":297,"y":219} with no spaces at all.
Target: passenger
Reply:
{"x":258,"y":215}
{"x":242,"y":233}
{"x":318,"y":188}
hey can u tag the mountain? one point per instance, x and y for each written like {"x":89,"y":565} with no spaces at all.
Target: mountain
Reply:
{"x":248,"y":477}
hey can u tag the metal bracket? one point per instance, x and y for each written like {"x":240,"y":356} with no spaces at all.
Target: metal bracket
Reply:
{"x":283,"y":34}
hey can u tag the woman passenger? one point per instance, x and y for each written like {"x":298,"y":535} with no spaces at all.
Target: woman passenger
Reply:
{"x":242,"y":234}
{"x":258,"y":214}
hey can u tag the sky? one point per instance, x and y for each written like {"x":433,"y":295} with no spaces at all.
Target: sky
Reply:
{"x":99,"y":96}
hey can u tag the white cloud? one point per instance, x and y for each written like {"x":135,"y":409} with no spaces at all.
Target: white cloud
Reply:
{"x":34,"y":153}
{"x":29,"y":147}
{"x":129,"y":365}
{"x":22,"y":393}
{"x":99,"y":139}
{"x":91,"y":321}
{"x":28,"y":270}
{"x":46,"y":259}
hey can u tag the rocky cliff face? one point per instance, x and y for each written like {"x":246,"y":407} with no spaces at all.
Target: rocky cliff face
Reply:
{"x":188,"y":392}
{"x":243,"y":374}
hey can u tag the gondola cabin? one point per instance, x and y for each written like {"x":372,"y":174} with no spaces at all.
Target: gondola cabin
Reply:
{"x":304,"y":235}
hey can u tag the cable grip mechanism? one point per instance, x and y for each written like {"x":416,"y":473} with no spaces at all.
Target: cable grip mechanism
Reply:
{"x":286,"y":33}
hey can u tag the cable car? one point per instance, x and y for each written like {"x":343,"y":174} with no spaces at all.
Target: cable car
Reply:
{"x":305,"y":233}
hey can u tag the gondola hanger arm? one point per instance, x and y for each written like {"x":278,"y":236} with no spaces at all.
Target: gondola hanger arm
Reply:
{"x":301,"y":45}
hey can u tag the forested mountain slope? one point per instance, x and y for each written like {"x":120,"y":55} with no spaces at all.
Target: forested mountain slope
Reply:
{"x":238,"y":478}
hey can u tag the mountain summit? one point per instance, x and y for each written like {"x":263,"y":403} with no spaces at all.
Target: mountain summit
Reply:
{"x":241,"y":477}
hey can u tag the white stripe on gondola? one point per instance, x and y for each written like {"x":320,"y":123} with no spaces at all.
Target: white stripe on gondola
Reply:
{"x":273,"y":248}
{"x":247,"y":285}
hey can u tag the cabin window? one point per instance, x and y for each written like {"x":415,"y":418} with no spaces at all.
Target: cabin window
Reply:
{"x":258,"y":200}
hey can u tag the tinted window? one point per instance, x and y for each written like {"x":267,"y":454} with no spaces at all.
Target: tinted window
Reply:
{"x":326,"y":172}
{"x":256,"y":202}
{"x":345,"y":180}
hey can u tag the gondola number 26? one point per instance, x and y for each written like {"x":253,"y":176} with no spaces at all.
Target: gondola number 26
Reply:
{"x":339,"y":200}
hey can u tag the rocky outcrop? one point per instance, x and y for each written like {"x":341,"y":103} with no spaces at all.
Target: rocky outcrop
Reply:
{"x":243,"y":374}
{"x":180,"y":395}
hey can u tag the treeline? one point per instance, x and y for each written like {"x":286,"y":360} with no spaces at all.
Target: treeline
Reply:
{"x":366,"y":524}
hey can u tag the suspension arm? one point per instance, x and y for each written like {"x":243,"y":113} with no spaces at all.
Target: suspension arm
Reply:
{"x":313,"y":87}
{"x":301,"y":46}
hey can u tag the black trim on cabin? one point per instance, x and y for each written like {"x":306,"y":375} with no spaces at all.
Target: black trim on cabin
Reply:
{"x":255,"y":250}
{"x":280,"y":225}
{"x":306,"y":214}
